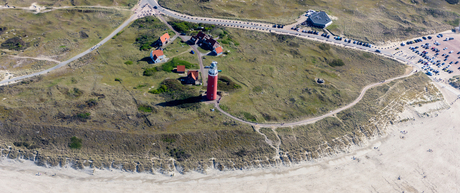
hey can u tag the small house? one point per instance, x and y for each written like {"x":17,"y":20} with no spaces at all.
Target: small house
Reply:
{"x":164,"y":39}
{"x":218,"y":51}
{"x":157,"y":56}
{"x":192,"y":77}
{"x":180,"y":69}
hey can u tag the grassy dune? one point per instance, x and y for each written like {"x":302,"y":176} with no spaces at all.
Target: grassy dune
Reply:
{"x":103,"y":99}
{"x":374,"y":21}
{"x":279,"y":73}
{"x":59,"y":35}
{"x":53,"y":3}
{"x":352,"y":126}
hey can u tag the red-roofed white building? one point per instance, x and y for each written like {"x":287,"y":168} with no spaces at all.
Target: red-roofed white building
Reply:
{"x":164,"y":39}
{"x":157,"y":56}
{"x":218,"y":51}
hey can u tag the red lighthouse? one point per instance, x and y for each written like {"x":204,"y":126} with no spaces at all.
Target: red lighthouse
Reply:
{"x":211,"y":93}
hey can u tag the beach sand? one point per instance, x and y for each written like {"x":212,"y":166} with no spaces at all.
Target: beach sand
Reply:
{"x":390,"y":164}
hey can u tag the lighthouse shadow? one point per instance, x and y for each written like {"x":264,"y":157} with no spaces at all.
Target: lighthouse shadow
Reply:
{"x":190,"y":102}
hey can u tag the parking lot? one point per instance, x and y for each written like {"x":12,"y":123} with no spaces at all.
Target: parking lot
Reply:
{"x":437,"y":56}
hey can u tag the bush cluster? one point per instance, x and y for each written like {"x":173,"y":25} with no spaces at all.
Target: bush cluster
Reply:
{"x":169,"y":66}
{"x":336,"y":62}
{"x":226,"y":84}
{"x":186,"y":26}
{"x":75,"y":143}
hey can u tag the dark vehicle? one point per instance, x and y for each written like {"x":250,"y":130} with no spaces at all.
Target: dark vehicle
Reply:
{"x":424,"y":38}
{"x":456,"y":62}
{"x":378,"y":51}
{"x":155,"y":7}
{"x":328,"y":36}
{"x":429,"y":37}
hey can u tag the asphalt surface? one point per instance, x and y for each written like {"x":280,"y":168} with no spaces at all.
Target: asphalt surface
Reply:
{"x":17,"y":79}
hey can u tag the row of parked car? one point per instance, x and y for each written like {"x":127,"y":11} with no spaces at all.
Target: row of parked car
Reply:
{"x":278,"y":26}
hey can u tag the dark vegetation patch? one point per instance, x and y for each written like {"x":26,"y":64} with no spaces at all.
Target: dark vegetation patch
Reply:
{"x":75,"y":143}
{"x":454,"y":23}
{"x":172,"y":89}
{"x":151,"y":71}
{"x":324,"y":47}
{"x":185,"y":27}
{"x":242,"y":153}
{"x":170,"y":65}
{"x":226,"y":38}
{"x":336,"y":62}
{"x":146,"y":27}
{"x":452,"y":1}
{"x":3,"y":30}
{"x":226,"y":84}
{"x":83,"y":35}
{"x":146,"y":42}
{"x":83,"y":116}
{"x":179,"y":154}
{"x":249,"y":116}
{"x":145,"y":108}
{"x":74,"y":93}
{"x":14,"y":44}
{"x":25,"y":144}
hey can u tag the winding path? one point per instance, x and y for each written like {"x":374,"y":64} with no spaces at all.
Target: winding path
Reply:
{"x":121,"y":27}
{"x":314,"y":119}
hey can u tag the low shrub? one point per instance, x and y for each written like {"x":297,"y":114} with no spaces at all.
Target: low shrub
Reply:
{"x":75,"y":143}
{"x":336,"y":62}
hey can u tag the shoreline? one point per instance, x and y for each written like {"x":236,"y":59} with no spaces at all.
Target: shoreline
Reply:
{"x":386,"y":164}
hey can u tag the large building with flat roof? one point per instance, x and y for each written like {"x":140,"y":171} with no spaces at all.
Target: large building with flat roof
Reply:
{"x":319,"y":19}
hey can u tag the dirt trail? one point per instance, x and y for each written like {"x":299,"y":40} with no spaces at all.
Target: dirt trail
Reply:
{"x":37,"y":58}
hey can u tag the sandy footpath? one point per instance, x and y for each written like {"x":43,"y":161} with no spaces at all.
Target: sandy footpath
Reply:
{"x":391,"y":164}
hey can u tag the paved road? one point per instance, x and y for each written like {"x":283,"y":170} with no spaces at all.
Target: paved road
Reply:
{"x":17,"y":79}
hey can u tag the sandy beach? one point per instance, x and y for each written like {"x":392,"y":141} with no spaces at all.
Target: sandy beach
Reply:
{"x":420,"y":155}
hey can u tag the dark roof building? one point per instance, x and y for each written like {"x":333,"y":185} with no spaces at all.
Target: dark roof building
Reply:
{"x":319,"y":19}
{"x":192,"y":77}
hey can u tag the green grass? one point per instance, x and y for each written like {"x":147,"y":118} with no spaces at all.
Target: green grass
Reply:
{"x":145,"y":109}
{"x":56,"y":33}
{"x":170,"y":65}
{"x":353,"y":125}
{"x":278,"y":76}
